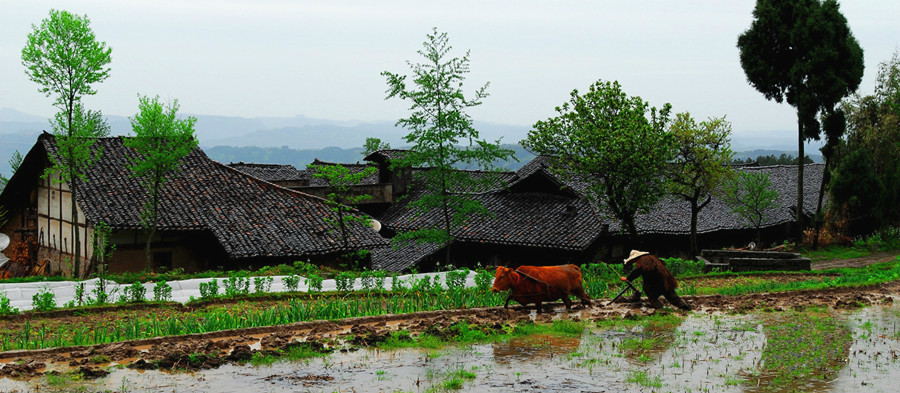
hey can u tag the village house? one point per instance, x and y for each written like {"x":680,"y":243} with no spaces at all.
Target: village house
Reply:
{"x":211,"y":216}
{"x":536,"y":217}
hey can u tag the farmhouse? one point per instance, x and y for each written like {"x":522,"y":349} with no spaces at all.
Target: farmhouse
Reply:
{"x":210,"y":215}
{"x":536,"y":217}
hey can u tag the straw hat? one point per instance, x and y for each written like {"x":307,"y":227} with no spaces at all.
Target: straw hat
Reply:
{"x":635,"y":254}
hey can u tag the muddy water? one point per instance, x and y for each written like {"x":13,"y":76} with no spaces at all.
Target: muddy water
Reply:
{"x":704,"y":353}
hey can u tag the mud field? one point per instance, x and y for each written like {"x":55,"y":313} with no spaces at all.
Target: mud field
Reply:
{"x":709,"y":346}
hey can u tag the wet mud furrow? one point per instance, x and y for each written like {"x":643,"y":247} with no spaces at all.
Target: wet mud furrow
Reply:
{"x":215,"y":349}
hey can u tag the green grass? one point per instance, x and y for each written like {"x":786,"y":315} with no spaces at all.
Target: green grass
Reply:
{"x":644,"y":379}
{"x":801,"y":347}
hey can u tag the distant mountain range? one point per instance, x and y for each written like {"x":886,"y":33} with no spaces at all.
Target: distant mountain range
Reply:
{"x":297,"y":140}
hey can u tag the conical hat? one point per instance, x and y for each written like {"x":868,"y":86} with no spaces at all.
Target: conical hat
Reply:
{"x":635,"y":254}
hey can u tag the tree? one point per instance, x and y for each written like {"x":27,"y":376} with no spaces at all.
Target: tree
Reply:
{"x":438,"y":124}
{"x":14,"y":162}
{"x":160,"y":142}
{"x":873,"y":130}
{"x":374,"y":144}
{"x":801,"y":52}
{"x":340,"y":180}
{"x":702,"y":152}
{"x":64,"y":57}
{"x":605,"y":139}
{"x":750,"y":196}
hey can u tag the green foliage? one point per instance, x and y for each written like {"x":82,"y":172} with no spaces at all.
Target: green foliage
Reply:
{"x":804,"y":346}
{"x":291,"y":282}
{"x":374,"y":144}
{"x":160,"y":143}
{"x":701,"y":152}
{"x":45,"y":300}
{"x":484,"y":279}
{"x":681,"y":267}
{"x":605,"y":139}
{"x":802,"y":52}
{"x":313,"y":283}
{"x":344,"y":281}
{"x":209,"y":289}
{"x":771,"y":159}
{"x":855,"y":185}
{"x":134,"y":293}
{"x":751,"y":196}
{"x":873,"y":123}
{"x":339,"y":180}
{"x":15,"y":161}
{"x":5,"y":307}
{"x":367,"y":280}
{"x":238,"y":283}
{"x":438,"y":125}
{"x":63,"y":56}
{"x":101,"y":296}
{"x":162,"y":291}
{"x":262,"y":284}
{"x":456,"y":279}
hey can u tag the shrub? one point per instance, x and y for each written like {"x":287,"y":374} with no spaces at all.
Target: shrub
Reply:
{"x":380,"y":276}
{"x":262,"y":284}
{"x":367,"y":280}
{"x":484,"y":279}
{"x":162,"y":292}
{"x":5,"y":308}
{"x":456,"y":279}
{"x":101,"y":297}
{"x":291,"y":282}
{"x":209,"y":289}
{"x":344,"y":281}
{"x":681,"y":267}
{"x":237,"y":284}
{"x":314,"y":283}
{"x":396,"y":283}
{"x":134,"y":293}
{"x":44,"y":300}
{"x":305,"y":268}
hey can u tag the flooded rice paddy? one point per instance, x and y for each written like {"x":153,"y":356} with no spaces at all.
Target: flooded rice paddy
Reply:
{"x":817,"y":349}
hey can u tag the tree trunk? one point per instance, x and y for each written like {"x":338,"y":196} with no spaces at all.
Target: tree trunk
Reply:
{"x":799,"y":211}
{"x":825,"y":179}
{"x":694,"y":212}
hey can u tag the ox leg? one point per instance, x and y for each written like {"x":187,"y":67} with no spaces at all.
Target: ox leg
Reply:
{"x":567,"y":302}
{"x":506,"y":305}
{"x":540,"y":307}
{"x":585,"y":299}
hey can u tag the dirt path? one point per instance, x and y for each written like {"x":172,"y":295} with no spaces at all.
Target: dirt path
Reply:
{"x":856,"y":262}
{"x":211,"y":350}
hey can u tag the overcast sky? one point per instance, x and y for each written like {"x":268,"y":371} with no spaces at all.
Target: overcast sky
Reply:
{"x":323,"y":59}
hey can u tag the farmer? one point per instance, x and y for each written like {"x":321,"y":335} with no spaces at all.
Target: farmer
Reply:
{"x":657,"y":279}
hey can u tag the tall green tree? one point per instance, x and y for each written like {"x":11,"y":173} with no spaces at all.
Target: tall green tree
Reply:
{"x":751,"y":196}
{"x":617,"y":145}
{"x":374,"y":144}
{"x":873,"y":128}
{"x":64,"y":57}
{"x":801,"y":52}
{"x":161,"y":140}
{"x":702,"y":152}
{"x":438,"y":125}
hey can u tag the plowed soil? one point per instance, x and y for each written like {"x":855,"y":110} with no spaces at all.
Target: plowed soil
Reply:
{"x":211,"y":350}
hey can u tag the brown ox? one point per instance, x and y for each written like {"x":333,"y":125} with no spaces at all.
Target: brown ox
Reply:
{"x":536,"y":284}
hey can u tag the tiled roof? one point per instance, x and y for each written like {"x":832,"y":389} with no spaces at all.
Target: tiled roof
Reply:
{"x":271,"y":172}
{"x":353,"y":168}
{"x":403,"y":257}
{"x":526,"y":219}
{"x":385,"y":155}
{"x":248,"y":217}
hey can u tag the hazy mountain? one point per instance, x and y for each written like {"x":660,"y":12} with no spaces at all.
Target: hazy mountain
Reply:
{"x":298,"y":140}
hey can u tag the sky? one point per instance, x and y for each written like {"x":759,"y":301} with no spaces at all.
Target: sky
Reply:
{"x":323,"y":59}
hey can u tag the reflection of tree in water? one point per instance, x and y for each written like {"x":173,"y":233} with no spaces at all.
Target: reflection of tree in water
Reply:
{"x":534,"y":346}
{"x":804,"y":350}
{"x":650,"y":337}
